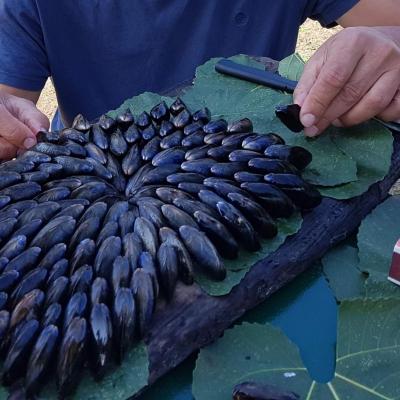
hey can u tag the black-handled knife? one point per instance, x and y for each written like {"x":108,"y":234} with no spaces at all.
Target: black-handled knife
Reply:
{"x":255,"y":75}
{"x":270,"y":79}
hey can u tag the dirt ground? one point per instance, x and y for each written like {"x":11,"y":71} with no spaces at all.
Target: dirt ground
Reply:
{"x":310,"y":38}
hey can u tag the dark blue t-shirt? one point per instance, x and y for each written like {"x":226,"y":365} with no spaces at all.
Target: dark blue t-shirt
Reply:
{"x":100,"y":52}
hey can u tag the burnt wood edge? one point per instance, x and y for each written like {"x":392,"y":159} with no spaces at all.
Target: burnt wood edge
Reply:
{"x":194,"y":319}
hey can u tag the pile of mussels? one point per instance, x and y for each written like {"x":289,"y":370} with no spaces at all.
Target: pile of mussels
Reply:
{"x":100,"y":220}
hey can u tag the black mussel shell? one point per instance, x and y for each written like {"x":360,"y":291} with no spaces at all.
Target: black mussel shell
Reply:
{"x":193,"y":140}
{"x":258,"y":391}
{"x":125,"y":119}
{"x":160,"y":112}
{"x":143,"y":120}
{"x":177,"y":106}
{"x":218,"y":234}
{"x":245,"y":176}
{"x":149,"y":132}
{"x":166,"y":128}
{"x":80,"y":123}
{"x":258,"y":142}
{"x":216,"y":126}
{"x":243,"y":125}
{"x":214,"y":139}
{"x":193,"y":127}
{"x":203,"y":251}
{"x":71,"y":134}
{"x":44,"y":136}
{"x":289,"y":115}
{"x":172,"y":140}
{"x":107,"y":123}
{"x":132,"y":134}
{"x":203,"y":115}
{"x":99,"y":137}
{"x":295,"y":155}
{"x":182,"y":119}
{"x":269,"y":165}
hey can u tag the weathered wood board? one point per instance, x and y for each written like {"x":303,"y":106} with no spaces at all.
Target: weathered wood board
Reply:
{"x":194,"y":319}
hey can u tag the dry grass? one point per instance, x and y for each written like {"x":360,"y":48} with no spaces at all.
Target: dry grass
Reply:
{"x":310,"y":38}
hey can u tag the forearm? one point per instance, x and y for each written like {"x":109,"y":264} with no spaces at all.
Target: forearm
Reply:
{"x":372,"y":13}
{"x":25,"y":94}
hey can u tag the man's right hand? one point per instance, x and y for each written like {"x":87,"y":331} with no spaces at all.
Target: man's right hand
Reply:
{"x":20,"y":121}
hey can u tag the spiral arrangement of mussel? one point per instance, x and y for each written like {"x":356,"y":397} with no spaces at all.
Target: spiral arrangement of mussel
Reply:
{"x":99,"y":221}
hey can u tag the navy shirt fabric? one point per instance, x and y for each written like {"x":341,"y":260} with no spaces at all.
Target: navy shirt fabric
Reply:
{"x":100,"y":52}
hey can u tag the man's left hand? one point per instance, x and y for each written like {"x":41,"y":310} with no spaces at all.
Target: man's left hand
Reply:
{"x":353,"y":77}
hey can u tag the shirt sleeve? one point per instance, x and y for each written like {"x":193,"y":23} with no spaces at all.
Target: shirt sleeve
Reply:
{"x":23,"y":58}
{"x":327,"y":12}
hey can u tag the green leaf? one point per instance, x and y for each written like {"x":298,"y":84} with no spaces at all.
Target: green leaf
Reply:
{"x":330,"y":166}
{"x":340,"y":266}
{"x":377,"y":286}
{"x":248,"y":352}
{"x":3,"y":393}
{"x":371,"y":146}
{"x":292,"y":67}
{"x":120,"y":383}
{"x":367,"y":363}
{"x":368,"y":350}
{"x":237,"y":269}
{"x":377,"y":236}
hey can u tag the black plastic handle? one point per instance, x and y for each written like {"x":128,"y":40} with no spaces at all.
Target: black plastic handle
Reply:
{"x":255,"y":75}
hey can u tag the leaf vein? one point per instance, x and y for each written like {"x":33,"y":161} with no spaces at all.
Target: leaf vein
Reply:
{"x":363,"y":387}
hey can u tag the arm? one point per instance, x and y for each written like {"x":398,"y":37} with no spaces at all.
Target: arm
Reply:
{"x":20,"y":120}
{"x":355,"y":75}
{"x":24,"y":94}
{"x":372,"y":13}
{"x":23,"y":72}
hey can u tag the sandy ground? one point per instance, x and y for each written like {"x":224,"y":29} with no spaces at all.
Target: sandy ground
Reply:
{"x":311,"y":37}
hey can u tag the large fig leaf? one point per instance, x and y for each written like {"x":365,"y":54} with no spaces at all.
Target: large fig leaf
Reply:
{"x":340,"y":266}
{"x":371,"y":146}
{"x":306,"y":312}
{"x":377,"y":235}
{"x":378,"y":286}
{"x":237,"y":269}
{"x":353,"y":272}
{"x":367,"y":362}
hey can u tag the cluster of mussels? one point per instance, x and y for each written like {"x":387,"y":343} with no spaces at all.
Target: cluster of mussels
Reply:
{"x":98,"y":219}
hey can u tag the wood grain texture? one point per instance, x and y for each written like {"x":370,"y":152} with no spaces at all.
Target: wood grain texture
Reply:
{"x":193,"y":319}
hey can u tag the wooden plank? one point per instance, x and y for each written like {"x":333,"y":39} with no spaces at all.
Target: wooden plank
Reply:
{"x":194,"y":319}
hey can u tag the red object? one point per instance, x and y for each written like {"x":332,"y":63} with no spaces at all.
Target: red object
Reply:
{"x":394,"y":274}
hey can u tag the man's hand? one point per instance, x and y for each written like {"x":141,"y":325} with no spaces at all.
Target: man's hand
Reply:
{"x":20,"y":121}
{"x":353,"y":77}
